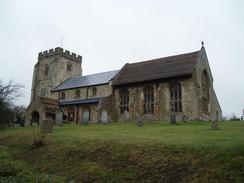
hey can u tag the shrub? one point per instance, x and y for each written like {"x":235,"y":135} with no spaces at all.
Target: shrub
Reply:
{"x":39,"y":138}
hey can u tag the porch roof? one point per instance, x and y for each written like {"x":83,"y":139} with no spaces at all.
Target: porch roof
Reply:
{"x":80,"y":101}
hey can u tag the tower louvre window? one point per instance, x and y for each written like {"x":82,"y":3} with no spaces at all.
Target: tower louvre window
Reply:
{"x":69,"y":67}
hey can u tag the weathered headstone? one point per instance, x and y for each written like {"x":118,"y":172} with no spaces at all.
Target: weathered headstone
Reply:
{"x":173,"y":119}
{"x":47,"y":126}
{"x":59,"y":118}
{"x":104,"y":117}
{"x":127,"y":116}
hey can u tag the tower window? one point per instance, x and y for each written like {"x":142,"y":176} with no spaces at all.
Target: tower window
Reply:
{"x":62,"y":96}
{"x":148,"y":100}
{"x":69,"y":67}
{"x":175,"y":97}
{"x":77,"y":93}
{"x":46,"y":69}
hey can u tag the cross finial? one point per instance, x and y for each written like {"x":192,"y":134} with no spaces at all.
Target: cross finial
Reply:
{"x":61,"y":42}
{"x":202,"y":44}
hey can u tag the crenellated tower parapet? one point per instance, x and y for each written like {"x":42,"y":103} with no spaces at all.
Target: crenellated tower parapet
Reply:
{"x":59,"y":51}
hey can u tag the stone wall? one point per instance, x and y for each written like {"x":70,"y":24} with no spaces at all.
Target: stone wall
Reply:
{"x":161,"y":101}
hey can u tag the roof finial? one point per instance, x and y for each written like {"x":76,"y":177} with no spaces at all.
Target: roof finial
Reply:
{"x":202,"y":44}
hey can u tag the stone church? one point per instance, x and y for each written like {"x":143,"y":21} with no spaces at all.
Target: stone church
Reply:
{"x":178,"y":87}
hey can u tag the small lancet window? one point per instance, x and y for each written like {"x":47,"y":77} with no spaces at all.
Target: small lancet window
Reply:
{"x":77,"y":93}
{"x":94,"y":91}
{"x":62,"y":96}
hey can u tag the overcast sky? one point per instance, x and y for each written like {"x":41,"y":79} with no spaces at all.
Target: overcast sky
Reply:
{"x":109,"y":33}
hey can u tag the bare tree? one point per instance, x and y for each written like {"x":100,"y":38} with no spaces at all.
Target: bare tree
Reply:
{"x":8,"y":92}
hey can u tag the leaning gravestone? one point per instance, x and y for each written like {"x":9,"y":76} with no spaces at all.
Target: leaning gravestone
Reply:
{"x":47,"y":126}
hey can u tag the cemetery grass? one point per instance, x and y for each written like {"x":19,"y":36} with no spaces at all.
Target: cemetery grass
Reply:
{"x":124,"y":152}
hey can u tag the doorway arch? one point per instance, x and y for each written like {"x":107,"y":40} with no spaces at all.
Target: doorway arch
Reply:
{"x":35,"y":117}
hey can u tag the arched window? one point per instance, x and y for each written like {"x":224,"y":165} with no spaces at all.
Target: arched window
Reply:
{"x":46,"y":69}
{"x":62,"y":96}
{"x":94,"y":91}
{"x":69,"y":66}
{"x":175,"y":97}
{"x":148,"y":100}
{"x":205,"y":92}
{"x":77,"y":93}
{"x":124,"y":101}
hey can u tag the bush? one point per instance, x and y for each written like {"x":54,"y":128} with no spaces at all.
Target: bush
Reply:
{"x":39,"y":139}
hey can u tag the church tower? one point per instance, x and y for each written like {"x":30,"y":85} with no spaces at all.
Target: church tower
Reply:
{"x":53,"y":67}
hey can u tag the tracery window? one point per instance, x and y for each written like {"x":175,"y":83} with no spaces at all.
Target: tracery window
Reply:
{"x":205,"y":91}
{"x":175,"y":97}
{"x":148,"y":100}
{"x":62,"y":95}
{"x":77,"y":93}
{"x":124,"y":101}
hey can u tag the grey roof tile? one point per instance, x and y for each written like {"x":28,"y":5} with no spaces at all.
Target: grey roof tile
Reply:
{"x":88,"y":80}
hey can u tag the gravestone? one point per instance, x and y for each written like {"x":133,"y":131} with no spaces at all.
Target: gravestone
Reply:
{"x":127,"y":116}
{"x":104,"y":117}
{"x":173,"y":119}
{"x":59,"y":118}
{"x":47,"y":126}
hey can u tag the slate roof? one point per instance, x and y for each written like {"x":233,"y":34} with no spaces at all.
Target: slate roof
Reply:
{"x":162,"y":68}
{"x":88,"y":80}
{"x":80,"y":101}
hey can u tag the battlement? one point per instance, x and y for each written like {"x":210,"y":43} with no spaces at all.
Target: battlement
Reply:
{"x":59,"y":51}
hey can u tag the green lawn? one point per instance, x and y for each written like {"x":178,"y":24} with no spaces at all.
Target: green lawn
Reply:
{"x":123,"y":152}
